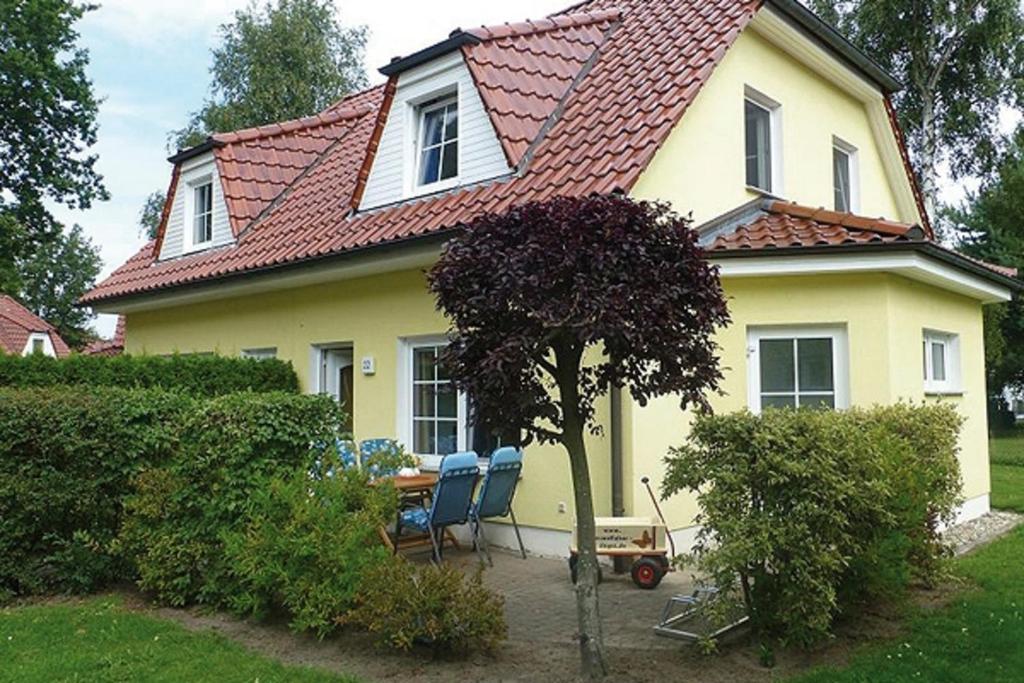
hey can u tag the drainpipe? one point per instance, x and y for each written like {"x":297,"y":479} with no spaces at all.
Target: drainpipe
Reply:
{"x":618,"y":500}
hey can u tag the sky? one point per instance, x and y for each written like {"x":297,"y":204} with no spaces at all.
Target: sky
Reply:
{"x":150,"y":60}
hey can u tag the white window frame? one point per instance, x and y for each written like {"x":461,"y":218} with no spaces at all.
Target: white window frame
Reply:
{"x":774,"y":109}
{"x":405,"y":427}
{"x":263,"y":353}
{"x":418,"y":110}
{"x":840,"y":358}
{"x":189,"y":228}
{"x":853,"y":159}
{"x":951,"y":355}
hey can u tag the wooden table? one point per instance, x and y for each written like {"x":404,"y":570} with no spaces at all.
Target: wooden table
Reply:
{"x":412,"y":490}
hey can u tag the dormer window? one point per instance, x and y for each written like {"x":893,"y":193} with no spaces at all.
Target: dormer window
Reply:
{"x":202,"y":219}
{"x":438,"y":156}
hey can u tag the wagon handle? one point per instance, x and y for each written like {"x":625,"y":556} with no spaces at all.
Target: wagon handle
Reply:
{"x":668,"y":532}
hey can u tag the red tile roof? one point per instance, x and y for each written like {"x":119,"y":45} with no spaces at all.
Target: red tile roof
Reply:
{"x":108,"y":347}
{"x":581,"y":101}
{"x":781,"y":225}
{"x":17,"y":323}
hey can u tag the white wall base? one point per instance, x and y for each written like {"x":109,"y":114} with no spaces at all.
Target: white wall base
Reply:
{"x":972,"y":509}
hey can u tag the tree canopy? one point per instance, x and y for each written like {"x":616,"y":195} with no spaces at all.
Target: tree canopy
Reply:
{"x":55,"y":277}
{"x":553,"y":303}
{"x":277,"y":61}
{"x":960,"y":62}
{"x":990,"y":225}
{"x":47,"y":121}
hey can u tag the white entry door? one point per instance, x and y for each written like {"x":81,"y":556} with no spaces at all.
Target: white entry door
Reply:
{"x":336,"y":377}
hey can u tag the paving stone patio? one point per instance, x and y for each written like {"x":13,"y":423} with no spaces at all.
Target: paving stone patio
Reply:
{"x":540,"y":604}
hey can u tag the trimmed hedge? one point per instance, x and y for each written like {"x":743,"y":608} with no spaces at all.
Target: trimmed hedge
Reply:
{"x":199,"y":375}
{"x":67,"y":458}
{"x":807,"y":514}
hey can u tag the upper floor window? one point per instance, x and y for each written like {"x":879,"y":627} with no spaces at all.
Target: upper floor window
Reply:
{"x":761,"y":133}
{"x":202,"y":213}
{"x":844,"y":176}
{"x":38,"y":345}
{"x":941,"y":362}
{"x":797,"y":368}
{"x":438,"y":157}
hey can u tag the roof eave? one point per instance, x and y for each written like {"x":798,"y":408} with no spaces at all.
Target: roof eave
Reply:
{"x":456,"y":40}
{"x":928,"y":248}
{"x":822,"y":31}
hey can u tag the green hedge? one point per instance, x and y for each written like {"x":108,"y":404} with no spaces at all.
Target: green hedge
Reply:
{"x":66,"y":461}
{"x":807,"y":514}
{"x":200,"y":375}
{"x":232,"y":448}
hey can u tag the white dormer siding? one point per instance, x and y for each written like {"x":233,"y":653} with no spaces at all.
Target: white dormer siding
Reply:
{"x":40,"y":341}
{"x":178,"y":237}
{"x":393,"y":175}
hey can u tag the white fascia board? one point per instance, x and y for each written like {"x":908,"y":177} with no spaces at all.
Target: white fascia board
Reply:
{"x":299,"y":275}
{"x":911,"y":265}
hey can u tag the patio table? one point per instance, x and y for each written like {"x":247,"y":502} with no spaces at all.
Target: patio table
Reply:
{"x":414,"y":490}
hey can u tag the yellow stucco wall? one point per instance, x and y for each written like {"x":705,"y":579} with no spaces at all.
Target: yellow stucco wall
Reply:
{"x":884,"y":316}
{"x":701,"y":168}
{"x":372,"y":314}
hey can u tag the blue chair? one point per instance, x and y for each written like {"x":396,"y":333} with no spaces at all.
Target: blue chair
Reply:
{"x":347,"y":458}
{"x":348,"y":454}
{"x":495,"y":499}
{"x":371,"y":448}
{"x":453,"y":494}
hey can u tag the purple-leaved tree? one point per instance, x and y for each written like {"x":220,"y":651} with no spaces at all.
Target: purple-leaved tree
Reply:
{"x":553,"y":303}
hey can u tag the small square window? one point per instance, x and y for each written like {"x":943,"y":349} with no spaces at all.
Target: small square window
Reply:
{"x":202,"y":209}
{"x":940,"y":360}
{"x":438,"y":152}
{"x":38,"y":346}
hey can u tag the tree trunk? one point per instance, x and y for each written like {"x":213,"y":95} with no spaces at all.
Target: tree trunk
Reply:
{"x":592,"y":658}
{"x":929,"y":172}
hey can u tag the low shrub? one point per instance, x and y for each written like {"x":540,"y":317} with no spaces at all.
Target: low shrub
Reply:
{"x":307,"y":544}
{"x":231,"y":447}
{"x":404,"y":604}
{"x":67,"y":458}
{"x":199,"y":375}
{"x":805,"y":513}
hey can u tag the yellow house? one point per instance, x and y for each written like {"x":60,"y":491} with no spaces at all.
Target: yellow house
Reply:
{"x":308,"y":240}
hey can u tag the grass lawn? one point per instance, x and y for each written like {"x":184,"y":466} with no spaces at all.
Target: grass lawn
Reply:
{"x":97,"y":641}
{"x":977,"y":639}
{"x":1007,"y":456}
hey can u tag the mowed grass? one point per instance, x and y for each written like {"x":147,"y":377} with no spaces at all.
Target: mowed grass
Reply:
{"x":1006,"y":453}
{"x":976,"y":639}
{"x":98,"y":641}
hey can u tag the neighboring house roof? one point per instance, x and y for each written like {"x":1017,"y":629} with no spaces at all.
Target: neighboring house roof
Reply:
{"x":17,"y":324}
{"x":770,"y":225}
{"x":108,"y":347}
{"x":581,"y":102}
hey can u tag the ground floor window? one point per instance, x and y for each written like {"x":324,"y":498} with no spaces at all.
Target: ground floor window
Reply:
{"x":266,"y":353}
{"x":797,"y":367}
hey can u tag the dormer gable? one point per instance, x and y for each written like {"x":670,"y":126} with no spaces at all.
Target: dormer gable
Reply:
{"x":436,"y":136}
{"x":197,"y":217}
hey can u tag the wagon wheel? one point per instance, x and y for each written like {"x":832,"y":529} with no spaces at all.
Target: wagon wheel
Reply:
{"x":574,"y":560}
{"x":647,"y":573}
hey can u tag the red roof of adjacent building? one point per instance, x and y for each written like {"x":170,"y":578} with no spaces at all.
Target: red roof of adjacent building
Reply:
{"x":108,"y":347}
{"x":17,"y":324}
{"x":580,"y":101}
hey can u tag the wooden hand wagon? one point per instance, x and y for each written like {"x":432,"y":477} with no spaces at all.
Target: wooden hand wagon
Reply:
{"x":644,"y":539}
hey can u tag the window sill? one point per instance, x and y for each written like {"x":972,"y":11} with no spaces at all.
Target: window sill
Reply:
{"x":432,"y":188}
{"x":193,"y":248}
{"x":948,"y":393}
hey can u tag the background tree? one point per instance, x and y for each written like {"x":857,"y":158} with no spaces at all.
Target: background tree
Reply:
{"x":47,"y":121}
{"x":553,"y":303}
{"x":990,"y":225}
{"x":55,"y":277}
{"x":278,"y":61}
{"x":960,"y":62}
{"x":150,"y":214}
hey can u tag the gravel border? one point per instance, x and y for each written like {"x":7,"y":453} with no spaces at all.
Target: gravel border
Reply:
{"x":978,"y":532}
